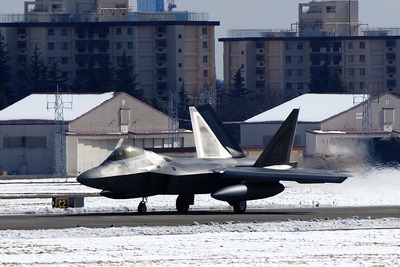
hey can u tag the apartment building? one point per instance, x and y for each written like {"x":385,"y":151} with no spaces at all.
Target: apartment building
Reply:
{"x":366,"y":59}
{"x":169,"y":51}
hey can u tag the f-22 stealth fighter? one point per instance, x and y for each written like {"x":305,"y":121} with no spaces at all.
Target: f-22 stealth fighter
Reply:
{"x":220,"y":169}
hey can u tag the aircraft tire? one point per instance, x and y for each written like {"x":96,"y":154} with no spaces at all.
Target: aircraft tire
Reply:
{"x":182,"y":205}
{"x":240,"y":207}
{"x":142,"y":208}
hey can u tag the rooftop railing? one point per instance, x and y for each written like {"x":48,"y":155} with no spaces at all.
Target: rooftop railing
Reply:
{"x":132,"y":16}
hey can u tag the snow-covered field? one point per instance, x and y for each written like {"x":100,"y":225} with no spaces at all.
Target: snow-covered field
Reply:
{"x":340,"y":242}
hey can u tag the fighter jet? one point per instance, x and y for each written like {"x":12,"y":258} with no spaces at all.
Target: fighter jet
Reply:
{"x":220,"y":169}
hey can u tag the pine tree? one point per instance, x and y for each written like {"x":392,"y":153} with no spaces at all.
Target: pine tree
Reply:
{"x":54,"y":78}
{"x":36,"y":74}
{"x":126,"y":79}
{"x":239,"y":87}
{"x":325,"y":81}
{"x":4,"y":73}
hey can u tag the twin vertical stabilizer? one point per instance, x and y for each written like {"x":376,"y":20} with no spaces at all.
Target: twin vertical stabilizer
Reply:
{"x":210,"y":136}
{"x":213,"y":141}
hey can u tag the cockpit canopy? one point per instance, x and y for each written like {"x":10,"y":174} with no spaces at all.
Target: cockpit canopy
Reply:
{"x":125,"y":152}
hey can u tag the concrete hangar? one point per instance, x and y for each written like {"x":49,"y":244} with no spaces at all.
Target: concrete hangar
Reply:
{"x":94,"y":125}
{"x":329,"y":124}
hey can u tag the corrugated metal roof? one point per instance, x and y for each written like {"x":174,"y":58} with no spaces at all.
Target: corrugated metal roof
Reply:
{"x":313,"y":107}
{"x":41,"y":106}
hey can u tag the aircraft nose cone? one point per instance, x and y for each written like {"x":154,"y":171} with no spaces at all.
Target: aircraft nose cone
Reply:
{"x":89,"y":177}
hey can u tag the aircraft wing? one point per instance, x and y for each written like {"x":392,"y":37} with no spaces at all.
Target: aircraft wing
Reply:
{"x":303,"y":176}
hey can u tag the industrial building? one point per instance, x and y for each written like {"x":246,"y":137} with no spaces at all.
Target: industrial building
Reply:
{"x":329,"y":124}
{"x":170,"y":50}
{"x":327,"y":32}
{"x":92,"y":127}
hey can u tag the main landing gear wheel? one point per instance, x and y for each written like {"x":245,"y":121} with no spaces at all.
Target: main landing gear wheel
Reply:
{"x":239,"y":207}
{"x":142,"y":208}
{"x":183,"y":203}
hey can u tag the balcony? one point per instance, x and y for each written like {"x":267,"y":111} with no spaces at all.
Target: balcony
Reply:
{"x":260,"y":77}
{"x":260,"y":51}
{"x":260,"y":64}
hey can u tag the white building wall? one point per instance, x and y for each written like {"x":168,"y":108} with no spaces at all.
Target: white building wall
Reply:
{"x":336,"y":144}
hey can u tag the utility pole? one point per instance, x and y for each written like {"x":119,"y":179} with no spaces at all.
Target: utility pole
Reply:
{"x":349,"y":17}
{"x":367,"y":112}
{"x":59,"y":157}
{"x":173,"y":122}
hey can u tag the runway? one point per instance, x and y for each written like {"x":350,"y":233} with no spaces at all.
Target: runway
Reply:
{"x":170,"y":218}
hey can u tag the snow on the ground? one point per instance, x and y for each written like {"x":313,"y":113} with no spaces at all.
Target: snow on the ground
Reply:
{"x":340,"y":242}
{"x":349,"y":242}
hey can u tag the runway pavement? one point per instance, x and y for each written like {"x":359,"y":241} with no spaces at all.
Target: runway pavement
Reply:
{"x":105,"y":220}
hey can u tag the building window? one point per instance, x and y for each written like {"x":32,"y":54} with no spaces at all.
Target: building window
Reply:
{"x":64,"y":75}
{"x":351,"y":59}
{"x":391,"y":70}
{"x":179,"y":50}
{"x":350,"y":45}
{"x":24,"y":142}
{"x":300,"y":73}
{"x":179,"y":36}
{"x":205,"y":73}
{"x":351,"y":72}
{"x":300,"y":59}
{"x":288,"y":59}
{"x":205,"y":59}
{"x":331,"y":9}
{"x":64,"y":32}
{"x":64,"y":46}
{"x":119,"y":31}
{"x":204,"y":31}
{"x":64,"y":60}
{"x":51,"y":60}
{"x":391,"y":83}
{"x":362,"y":58}
{"x":288,"y":46}
{"x":130,"y":31}
{"x":391,"y":43}
{"x":300,"y":86}
{"x":205,"y":44}
{"x":288,"y":73}
{"x":300,"y":46}
{"x":363,"y":85}
{"x":50,"y":32}
{"x":390,"y":56}
{"x":351,"y":85}
{"x":180,"y":65}
{"x":50,"y":46}
{"x":288,"y":86}
{"x":362,"y":45}
{"x":362,"y":72}
{"x":130,"y":45}
{"x":119,"y":45}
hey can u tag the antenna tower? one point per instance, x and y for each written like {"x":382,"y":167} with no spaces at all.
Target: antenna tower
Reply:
{"x":59,"y":159}
{"x":367,"y":112}
{"x":173,"y":123}
{"x":171,"y":5}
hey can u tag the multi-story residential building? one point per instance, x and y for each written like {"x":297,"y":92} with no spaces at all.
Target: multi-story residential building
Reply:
{"x":284,"y":61}
{"x":169,"y":50}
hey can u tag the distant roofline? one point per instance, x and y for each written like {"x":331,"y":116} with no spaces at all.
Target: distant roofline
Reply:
{"x":333,"y":38}
{"x":107,"y":23}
